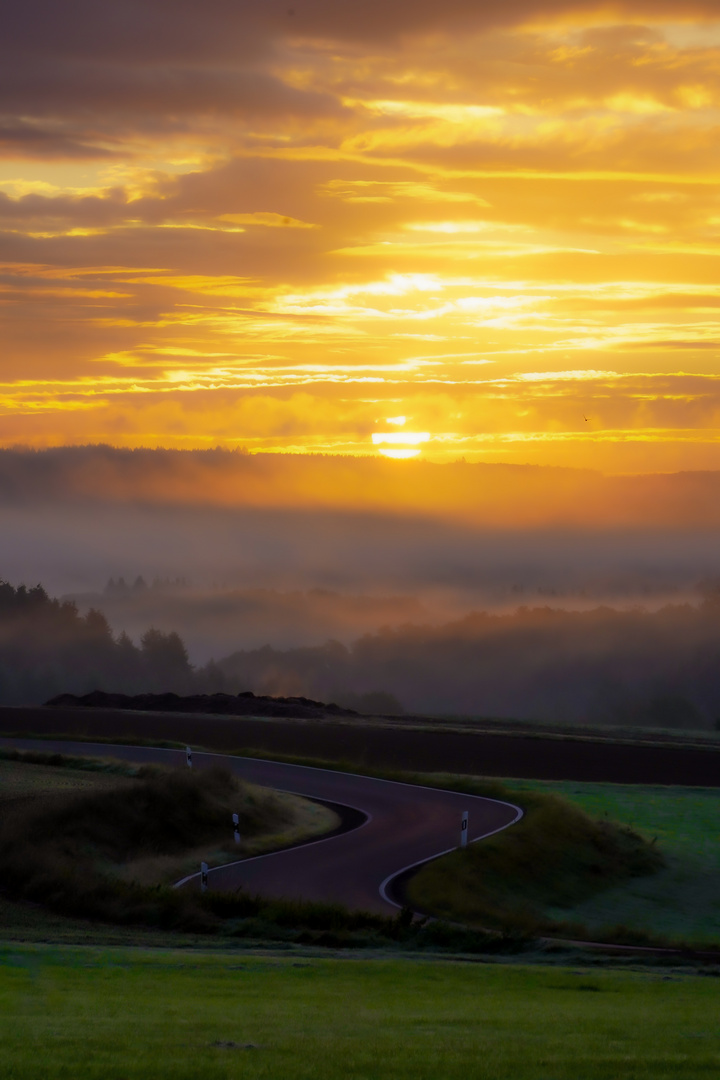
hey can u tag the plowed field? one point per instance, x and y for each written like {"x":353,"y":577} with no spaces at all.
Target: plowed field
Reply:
{"x":380,"y":745}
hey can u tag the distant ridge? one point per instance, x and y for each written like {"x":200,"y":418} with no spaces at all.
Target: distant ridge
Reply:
{"x":486,"y":494}
{"x":245,"y":704}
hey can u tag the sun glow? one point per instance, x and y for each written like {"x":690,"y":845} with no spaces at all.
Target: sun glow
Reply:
{"x":399,"y":444}
{"x":400,"y":454}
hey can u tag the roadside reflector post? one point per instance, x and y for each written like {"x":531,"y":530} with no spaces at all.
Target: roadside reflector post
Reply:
{"x":203,"y":876}
{"x":188,"y":755}
{"x":236,"y":828}
{"x":464,"y":829}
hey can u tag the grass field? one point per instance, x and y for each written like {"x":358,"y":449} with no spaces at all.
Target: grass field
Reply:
{"x":129,"y":1013}
{"x":681,"y":900}
{"x":139,"y":1015}
{"x":24,"y":779}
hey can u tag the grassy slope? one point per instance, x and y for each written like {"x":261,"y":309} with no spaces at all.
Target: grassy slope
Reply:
{"x":682,"y":900}
{"x":555,"y":855}
{"x":76,"y":836}
{"x":134,"y":1015}
{"x":19,"y":782}
{"x":26,"y":774}
{"x":62,"y":848}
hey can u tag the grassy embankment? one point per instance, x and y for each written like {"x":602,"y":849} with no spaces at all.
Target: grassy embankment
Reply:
{"x":137,"y":1015}
{"x":682,"y":900}
{"x":556,"y":856}
{"x":543,"y":873}
{"x":268,"y":820}
{"x":103,"y":840}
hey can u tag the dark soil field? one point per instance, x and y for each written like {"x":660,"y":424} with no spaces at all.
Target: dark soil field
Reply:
{"x":383,"y":745}
{"x":245,"y":704}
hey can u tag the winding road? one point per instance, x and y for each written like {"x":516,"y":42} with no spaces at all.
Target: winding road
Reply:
{"x":404,"y":826}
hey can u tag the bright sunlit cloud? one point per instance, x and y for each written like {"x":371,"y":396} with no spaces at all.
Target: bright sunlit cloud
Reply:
{"x":411,"y":438}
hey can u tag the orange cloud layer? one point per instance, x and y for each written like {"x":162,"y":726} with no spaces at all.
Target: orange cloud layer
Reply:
{"x":273,"y":228}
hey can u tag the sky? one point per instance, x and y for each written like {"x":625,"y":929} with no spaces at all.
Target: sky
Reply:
{"x":468,"y":229}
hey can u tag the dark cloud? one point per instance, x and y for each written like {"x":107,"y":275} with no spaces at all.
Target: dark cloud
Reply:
{"x":87,"y":88}
{"x":35,"y":141}
{"x":154,"y":31}
{"x":89,"y":210}
{"x":490,"y":496}
{"x":180,"y":57}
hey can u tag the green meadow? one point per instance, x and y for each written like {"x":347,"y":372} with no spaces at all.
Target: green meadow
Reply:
{"x":101,"y":1007}
{"x":682,"y":900}
{"x":132,"y":1014}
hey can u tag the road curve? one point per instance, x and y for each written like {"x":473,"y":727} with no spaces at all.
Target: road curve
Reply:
{"x":406,"y":825}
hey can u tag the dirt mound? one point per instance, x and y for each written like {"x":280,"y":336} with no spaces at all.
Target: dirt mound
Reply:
{"x":245,"y":704}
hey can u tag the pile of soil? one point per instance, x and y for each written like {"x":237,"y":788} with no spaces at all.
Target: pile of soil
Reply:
{"x":246,"y":704}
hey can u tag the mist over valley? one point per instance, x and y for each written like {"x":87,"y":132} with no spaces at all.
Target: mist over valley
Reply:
{"x":450,"y":602}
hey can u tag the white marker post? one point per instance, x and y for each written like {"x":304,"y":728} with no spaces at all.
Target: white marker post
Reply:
{"x":188,"y":755}
{"x":464,"y":829}
{"x":203,"y":876}
{"x":236,"y":828}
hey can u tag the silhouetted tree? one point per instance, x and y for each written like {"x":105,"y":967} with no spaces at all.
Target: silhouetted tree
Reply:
{"x":47,"y":648}
{"x":166,"y":660}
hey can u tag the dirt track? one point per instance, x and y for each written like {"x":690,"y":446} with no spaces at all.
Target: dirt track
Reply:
{"x":379,"y":746}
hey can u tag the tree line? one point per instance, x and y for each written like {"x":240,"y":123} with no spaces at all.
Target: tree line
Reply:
{"x":631,"y":667}
{"x":47,"y":647}
{"x":655,"y":668}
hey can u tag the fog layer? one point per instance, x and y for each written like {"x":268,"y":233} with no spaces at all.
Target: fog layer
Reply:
{"x":392,"y":563}
{"x":658,"y":669}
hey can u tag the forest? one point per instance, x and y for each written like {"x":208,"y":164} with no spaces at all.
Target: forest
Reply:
{"x":604,"y":665}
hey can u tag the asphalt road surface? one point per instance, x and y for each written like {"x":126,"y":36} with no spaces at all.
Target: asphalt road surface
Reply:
{"x":405,"y":825}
